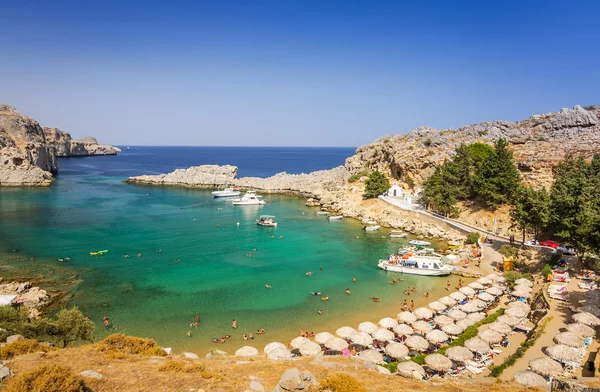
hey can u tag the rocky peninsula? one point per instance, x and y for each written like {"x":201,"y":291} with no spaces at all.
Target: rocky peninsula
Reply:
{"x":28,"y":152}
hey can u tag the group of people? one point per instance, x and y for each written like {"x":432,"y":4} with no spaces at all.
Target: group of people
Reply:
{"x":305,"y":334}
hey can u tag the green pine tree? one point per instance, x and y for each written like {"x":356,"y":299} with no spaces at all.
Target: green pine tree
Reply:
{"x":376,"y":184}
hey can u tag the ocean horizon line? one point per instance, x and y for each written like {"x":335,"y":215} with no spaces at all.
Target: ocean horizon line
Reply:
{"x":197,"y":146}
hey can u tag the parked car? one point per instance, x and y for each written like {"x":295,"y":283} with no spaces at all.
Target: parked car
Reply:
{"x":550,"y":244}
{"x":566,"y":250}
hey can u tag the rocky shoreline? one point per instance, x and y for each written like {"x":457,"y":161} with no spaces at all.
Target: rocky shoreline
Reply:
{"x":30,"y":297}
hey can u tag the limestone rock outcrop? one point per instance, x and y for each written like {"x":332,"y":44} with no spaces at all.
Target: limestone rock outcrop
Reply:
{"x":67,"y":147}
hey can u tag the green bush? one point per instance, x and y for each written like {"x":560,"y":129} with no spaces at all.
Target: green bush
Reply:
{"x":358,"y":176}
{"x":427,"y":142}
{"x":547,"y":270}
{"x":509,"y":251}
{"x":376,"y":184}
{"x":472,"y":238}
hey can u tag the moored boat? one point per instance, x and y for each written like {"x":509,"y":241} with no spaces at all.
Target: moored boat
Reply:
{"x":250,"y":198}
{"x":419,"y":243}
{"x":397,"y":234}
{"x":322,"y":213}
{"x":338,"y":217}
{"x":266,"y":220}
{"x":370,"y":229}
{"x":227,"y":192}
{"x":431,"y":265}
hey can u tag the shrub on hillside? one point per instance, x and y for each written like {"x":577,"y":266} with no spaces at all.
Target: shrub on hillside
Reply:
{"x":512,"y":276}
{"x":376,"y":184}
{"x":509,"y":251}
{"x":473,"y":237}
{"x":47,"y":378}
{"x":23,"y":346}
{"x":342,"y":383}
{"x":358,"y":176}
{"x":122,"y":343}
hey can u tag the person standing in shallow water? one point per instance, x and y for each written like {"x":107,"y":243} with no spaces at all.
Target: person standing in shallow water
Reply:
{"x":234,"y":324}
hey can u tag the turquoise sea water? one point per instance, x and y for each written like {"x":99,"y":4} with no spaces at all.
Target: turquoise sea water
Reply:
{"x":89,"y":208}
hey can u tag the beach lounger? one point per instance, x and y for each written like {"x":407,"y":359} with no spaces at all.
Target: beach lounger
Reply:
{"x":474,"y":370}
{"x":522,"y":328}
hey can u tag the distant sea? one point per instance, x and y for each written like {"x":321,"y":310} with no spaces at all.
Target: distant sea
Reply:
{"x":194,"y":258}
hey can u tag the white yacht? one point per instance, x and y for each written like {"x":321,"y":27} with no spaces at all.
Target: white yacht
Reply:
{"x":432,"y":265}
{"x":249,"y":199}
{"x":227,"y":192}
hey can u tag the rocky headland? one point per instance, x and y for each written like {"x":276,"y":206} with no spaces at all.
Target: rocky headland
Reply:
{"x":28,"y":152}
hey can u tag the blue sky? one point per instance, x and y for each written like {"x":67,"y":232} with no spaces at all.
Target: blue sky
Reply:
{"x":292,"y":73}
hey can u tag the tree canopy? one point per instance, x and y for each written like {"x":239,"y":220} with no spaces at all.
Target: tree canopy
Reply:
{"x":376,"y":184}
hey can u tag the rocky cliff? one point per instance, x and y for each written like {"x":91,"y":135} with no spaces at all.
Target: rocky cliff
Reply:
{"x":28,"y":152}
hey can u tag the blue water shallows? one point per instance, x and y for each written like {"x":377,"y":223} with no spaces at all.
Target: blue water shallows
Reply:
{"x":195,"y":258}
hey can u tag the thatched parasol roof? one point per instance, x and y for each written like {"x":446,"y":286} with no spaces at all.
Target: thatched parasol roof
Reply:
{"x":437,"y":306}
{"x":447,"y":300}
{"x":299,"y":341}
{"x":486,"y":297}
{"x":396,"y":350}
{"x":442,"y":320}
{"x":476,"y":286}
{"x":582,"y":329}
{"x":246,"y":351}
{"x":570,"y":339}
{"x":337,"y":344}
{"x":500,"y":327}
{"x":465,"y":323}
{"x":478,"y":346}
{"x":484,"y":281}
{"x":345,"y":332}
{"x":371,"y":356}
{"x":362,"y":338}
{"x":416,"y":342}
{"x":520,"y":294}
{"x":272,"y":346}
{"x":490,"y":336}
{"x":522,"y":287}
{"x":456,"y":314}
{"x":470,"y":307}
{"x":592,"y":294}
{"x":469,"y":292}
{"x":476,"y":317}
{"x":587,"y":319}
{"x":383,"y":334}
{"x":495,"y":291}
{"x":411,"y":369}
{"x":422,"y":326}
{"x":423,"y":313}
{"x":438,"y":362}
{"x":459,"y":354}
{"x":545,"y":366}
{"x":516,"y":312}
{"x":323,"y":337}
{"x":436,"y":336}
{"x":453,"y":329}
{"x":310,"y":349}
{"x":407,"y":317}
{"x":560,"y":352}
{"x":593,"y":309}
{"x":531,"y":379}
{"x":520,"y":305}
{"x":387,"y":322}
{"x":457,"y":295}
{"x":280,"y":354}
{"x":496,"y":278}
{"x":524,"y":281}
{"x":511,"y":321}
{"x":367,"y":327}
{"x":403,"y":329}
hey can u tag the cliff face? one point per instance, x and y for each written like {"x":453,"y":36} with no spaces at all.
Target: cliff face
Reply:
{"x":538,"y":144}
{"x":28,"y":152}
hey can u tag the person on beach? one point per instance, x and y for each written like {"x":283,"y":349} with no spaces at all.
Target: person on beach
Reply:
{"x":405,"y":292}
{"x":251,"y":337}
{"x":106,"y":323}
{"x":189,"y":334}
{"x":197,"y":318}
{"x":260,"y":331}
{"x":448,"y":286}
{"x":426,"y":295}
{"x":234,"y":324}
{"x":348,"y":291}
{"x":303,"y":332}
{"x":320,"y":311}
{"x":412,"y":305}
{"x":245,"y":337}
{"x":405,"y":305}
{"x":459,"y":283}
{"x":414,"y":289}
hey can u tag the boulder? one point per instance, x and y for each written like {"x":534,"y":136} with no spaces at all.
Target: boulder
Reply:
{"x":190,"y":356}
{"x":14,"y":338}
{"x":91,"y":374}
{"x":383,"y":370}
{"x":5,"y":372}
{"x":255,"y":386}
{"x":168,"y":350}
{"x":294,"y":380}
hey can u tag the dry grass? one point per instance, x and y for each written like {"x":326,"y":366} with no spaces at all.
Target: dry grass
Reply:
{"x":46,"y":378}
{"x":23,"y":346}
{"x":342,"y":383}
{"x":181,"y":366}
{"x":123,"y":344}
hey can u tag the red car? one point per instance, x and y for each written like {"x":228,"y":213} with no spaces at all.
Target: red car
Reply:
{"x":550,"y":244}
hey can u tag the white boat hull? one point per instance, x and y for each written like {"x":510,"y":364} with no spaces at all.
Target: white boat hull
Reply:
{"x":370,"y":229}
{"x":412,"y":271}
{"x":248,"y":203}
{"x":225,"y":194}
{"x":336,"y":218}
{"x":398,"y":235}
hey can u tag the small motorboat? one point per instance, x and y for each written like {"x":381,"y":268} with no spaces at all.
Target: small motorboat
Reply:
{"x":250,"y":198}
{"x":337,"y":217}
{"x":227,"y":192}
{"x":419,"y":243}
{"x":322,"y":213}
{"x":370,"y":229}
{"x":397,"y":234}
{"x":266,"y":220}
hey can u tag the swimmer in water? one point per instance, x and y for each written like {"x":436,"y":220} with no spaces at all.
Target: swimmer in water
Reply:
{"x":308,"y":273}
{"x":268,"y":286}
{"x":325,"y":299}
{"x":139,"y":255}
{"x":348,"y":291}
{"x":320,"y":311}
{"x":315,"y":292}
{"x":321,"y":268}
{"x":234,"y":324}
{"x":354,"y":280}
{"x":376,"y":299}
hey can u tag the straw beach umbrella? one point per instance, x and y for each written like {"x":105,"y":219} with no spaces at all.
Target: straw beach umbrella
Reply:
{"x":516,"y":312}
{"x":501,"y":328}
{"x":383,"y":334}
{"x":570,"y":339}
{"x":519,"y":304}
{"x":456,"y":314}
{"x":587,"y":319}
{"x":436,"y":336}
{"x":323,"y":337}
{"x":469,"y":292}
{"x":522,"y":287}
{"x":273,"y":346}
{"x":337,"y":344}
{"x":299,"y":341}
{"x":476,"y":286}
{"x":387,"y":322}
{"x":476,"y":317}
{"x":465,"y":323}
{"x":371,"y":356}
{"x":448,"y":301}
{"x":407,"y":317}
{"x":345,"y":332}
{"x":281,"y":354}
{"x":459,"y":354}
{"x":442,"y":320}
{"x":367,"y":327}
{"x":470,"y":307}
{"x":438,"y":362}
{"x":545,"y":366}
{"x":486,"y":297}
{"x":582,"y":329}
{"x":453,"y":329}
{"x":437,"y":306}
{"x":489,"y":336}
{"x":423,"y":313}
{"x":496,"y":278}
{"x":494,"y":291}
{"x":521,"y":294}
{"x":310,"y":349}
{"x":411,"y":369}
{"x":246,"y":351}
{"x":500,"y":286}
{"x":457,"y":295}
{"x":477,"y":346}
{"x":396,"y":350}
{"x":560,"y":352}
{"x":531,"y":379}
{"x":591,"y":309}
{"x":511,"y":321}
{"x":362,"y":338}
{"x":403,"y":329}
{"x":417,"y":343}
{"x":524,"y":281}
{"x":422,"y":326}
{"x":484,"y":281}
